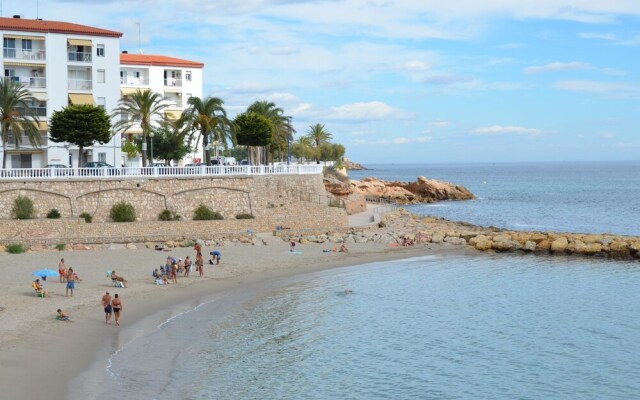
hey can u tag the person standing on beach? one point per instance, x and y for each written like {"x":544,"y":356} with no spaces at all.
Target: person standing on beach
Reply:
{"x":198,"y":249}
{"x":292,"y":245}
{"x":200,"y":264}
{"x":187,"y":266}
{"x":62,"y":269}
{"x":116,"y":304}
{"x":106,"y":304}
{"x":71,"y":282}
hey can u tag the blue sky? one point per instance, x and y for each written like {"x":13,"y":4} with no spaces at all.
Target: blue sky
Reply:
{"x":408,"y":81}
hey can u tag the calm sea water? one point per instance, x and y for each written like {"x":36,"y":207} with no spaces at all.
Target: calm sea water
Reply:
{"x":454,"y":327}
{"x":493,"y":327}
{"x":565,"y":197}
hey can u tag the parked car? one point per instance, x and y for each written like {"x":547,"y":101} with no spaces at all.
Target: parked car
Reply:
{"x":56,"y":166}
{"x":98,"y":165}
{"x":244,"y":162}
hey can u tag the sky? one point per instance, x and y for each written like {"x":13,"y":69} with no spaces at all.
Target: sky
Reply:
{"x":414,"y":81}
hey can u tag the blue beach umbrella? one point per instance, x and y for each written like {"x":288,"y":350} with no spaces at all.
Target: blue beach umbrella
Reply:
{"x":44,"y":273}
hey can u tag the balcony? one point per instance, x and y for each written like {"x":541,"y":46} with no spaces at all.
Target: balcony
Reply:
{"x":80,"y":84}
{"x":79,"y":56}
{"x":25,"y":143}
{"x":39,"y":111}
{"x":31,"y":81}
{"x":27,"y":54}
{"x":173,"y":82}
{"x":131,"y":81}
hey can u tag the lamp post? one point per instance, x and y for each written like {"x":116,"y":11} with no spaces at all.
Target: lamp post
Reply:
{"x":289,"y":147}
{"x":151,"y":136}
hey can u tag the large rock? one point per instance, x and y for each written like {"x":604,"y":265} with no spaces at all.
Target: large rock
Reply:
{"x":560,"y":245}
{"x":422,"y":191}
{"x":619,"y":249}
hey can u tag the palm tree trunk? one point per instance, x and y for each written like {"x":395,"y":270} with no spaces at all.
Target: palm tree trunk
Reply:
{"x":205,"y":152}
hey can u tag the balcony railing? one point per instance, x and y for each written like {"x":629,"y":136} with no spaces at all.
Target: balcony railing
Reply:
{"x":25,"y":143}
{"x":37,"y":55}
{"x":31,"y":81}
{"x":39,"y":111}
{"x":80,"y":84}
{"x":77,"y":56}
{"x":131,"y":81}
{"x":173,"y":82}
{"x":137,"y":173}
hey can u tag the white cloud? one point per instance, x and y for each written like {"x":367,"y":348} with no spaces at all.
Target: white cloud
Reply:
{"x":415,"y":65}
{"x":371,"y":111}
{"x":598,"y":36}
{"x":605,"y":135}
{"x":439,"y":124}
{"x":557,"y":66}
{"x":611,"y":89}
{"x":506,"y":130}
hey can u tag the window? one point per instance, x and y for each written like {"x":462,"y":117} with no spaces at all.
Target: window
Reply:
{"x":187,"y":76}
{"x":101,"y":76}
{"x":100,"y":50}
{"x":102,"y":157}
{"x":101,"y":102}
{"x":26,"y":44}
{"x":9,"y":47}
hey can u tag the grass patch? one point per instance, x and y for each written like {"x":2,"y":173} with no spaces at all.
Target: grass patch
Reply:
{"x":16,"y":248}
{"x":61,"y":246}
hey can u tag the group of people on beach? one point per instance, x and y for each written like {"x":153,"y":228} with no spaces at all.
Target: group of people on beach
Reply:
{"x":69,"y":276}
{"x":112,"y":306}
{"x":168,"y":273}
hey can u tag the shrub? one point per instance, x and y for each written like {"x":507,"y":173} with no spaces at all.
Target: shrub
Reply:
{"x":53,"y":214}
{"x":16,"y":248}
{"x":245,"y":216}
{"x":204,"y":213}
{"x":168,"y":215}
{"x":122,"y":212}
{"x":23,"y":208}
{"x":336,"y":203}
{"x":61,"y":246}
{"x":87,"y":217}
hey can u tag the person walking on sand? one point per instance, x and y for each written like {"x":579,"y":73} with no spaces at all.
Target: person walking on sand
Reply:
{"x":62,"y":269}
{"x":116,"y":304}
{"x":292,"y":246}
{"x":106,"y":304}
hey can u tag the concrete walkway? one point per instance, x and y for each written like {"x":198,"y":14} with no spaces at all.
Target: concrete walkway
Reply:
{"x":365,"y":218}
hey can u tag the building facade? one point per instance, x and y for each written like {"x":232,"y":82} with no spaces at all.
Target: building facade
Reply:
{"x":61,"y":63}
{"x":173,"y":78}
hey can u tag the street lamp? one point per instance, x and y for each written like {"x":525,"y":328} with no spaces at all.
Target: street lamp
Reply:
{"x":151,"y":136}
{"x":215,"y":146}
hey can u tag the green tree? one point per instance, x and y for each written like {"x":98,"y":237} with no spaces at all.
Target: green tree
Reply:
{"x":16,"y":116}
{"x":142,"y":107}
{"x":332,"y":152}
{"x":171,"y":140}
{"x":209,"y":118}
{"x":318,"y":135}
{"x":302,"y":149}
{"x":282,"y":127}
{"x":256,"y":132}
{"x":82,"y":125}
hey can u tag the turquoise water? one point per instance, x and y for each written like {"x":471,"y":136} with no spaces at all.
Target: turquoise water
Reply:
{"x":459,"y":327}
{"x":591,"y":197}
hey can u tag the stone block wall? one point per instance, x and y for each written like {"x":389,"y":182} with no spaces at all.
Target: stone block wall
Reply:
{"x":273,"y":200}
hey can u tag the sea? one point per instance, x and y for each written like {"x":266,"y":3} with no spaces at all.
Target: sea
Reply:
{"x":480,"y":326}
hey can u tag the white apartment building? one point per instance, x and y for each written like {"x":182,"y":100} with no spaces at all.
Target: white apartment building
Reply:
{"x":173,"y":78}
{"x":61,"y":63}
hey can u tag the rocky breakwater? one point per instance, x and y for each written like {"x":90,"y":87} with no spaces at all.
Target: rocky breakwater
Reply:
{"x":402,"y":228}
{"x":423,"y":190}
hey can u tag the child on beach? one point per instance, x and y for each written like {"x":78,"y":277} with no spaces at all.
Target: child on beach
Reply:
{"x":62,"y":316}
{"x":62,"y":269}
{"x":187,"y":266}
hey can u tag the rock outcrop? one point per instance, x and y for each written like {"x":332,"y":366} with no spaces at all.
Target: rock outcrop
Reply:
{"x":423,"y":190}
{"x":351,"y":166}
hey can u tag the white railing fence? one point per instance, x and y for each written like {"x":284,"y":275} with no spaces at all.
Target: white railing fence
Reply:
{"x":148,"y":172}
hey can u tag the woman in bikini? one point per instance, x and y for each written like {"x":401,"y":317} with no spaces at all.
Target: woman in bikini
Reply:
{"x":116,"y":305}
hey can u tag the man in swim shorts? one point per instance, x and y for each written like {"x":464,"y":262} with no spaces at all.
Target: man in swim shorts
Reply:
{"x":116,"y":303}
{"x":106,"y":304}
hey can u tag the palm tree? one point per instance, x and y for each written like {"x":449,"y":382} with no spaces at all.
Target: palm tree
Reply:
{"x":282,"y":127}
{"x":319,"y":136}
{"x":209,"y":118}
{"x":16,"y":116}
{"x":142,"y":107}
{"x":172,"y":139}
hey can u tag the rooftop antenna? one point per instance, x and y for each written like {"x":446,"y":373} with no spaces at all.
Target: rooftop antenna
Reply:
{"x":37,"y":9}
{"x":139,"y":41}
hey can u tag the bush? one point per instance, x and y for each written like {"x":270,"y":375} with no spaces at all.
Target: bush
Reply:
{"x":204,"y":213}
{"x":168,"y":215}
{"x":61,"y":246}
{"x":87,"y":217}
{"x":123,"y":212}
{"x":53,"y":214}
{"x":23,"y":208}
{"x":245,"y":216}
{"x":16,"y":248}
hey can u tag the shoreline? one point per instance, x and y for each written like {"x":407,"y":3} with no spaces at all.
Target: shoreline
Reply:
{"x":45,"y":360}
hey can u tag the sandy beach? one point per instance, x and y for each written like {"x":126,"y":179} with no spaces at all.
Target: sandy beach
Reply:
{"x":39,"y":355}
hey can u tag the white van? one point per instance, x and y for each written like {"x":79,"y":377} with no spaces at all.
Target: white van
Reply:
{"x":229,"y":161}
